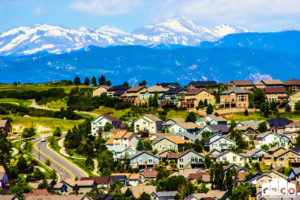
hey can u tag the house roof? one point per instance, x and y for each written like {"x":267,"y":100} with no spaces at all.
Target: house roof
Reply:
{"x":138,"y":190}
{"x":113,"y":119}
{"x":243,"y":83}
{"x":257,"y":84}
{"x":178,"y":155}
{"x":102,"y":86}
{"x":254,"y":151}
{"x":60,"y":197}
{"x":149,"y":173}
{"x":156,"y":88}
{"x":185,"y":172}
{"x":176,"y":139}
{"x":153,"y":117}
{"x":177,"y":120}
{"x":296,"y":170}
{"x":37,"y":192}
{"x":203,"y":175}
{"x":272,"y":82}
{"x":118,"y":87}
{"x":278,"y":122}
{"x":216,"y":194}
{"x":204,"y":83}
{"x":8,"y":197}
{"x":165,"y":193}
{"x":117,"y":148}
{"x":275,"y":90}
{"x":228,"y":151}
{"x":135,"y":88}
{"x":292,"y":82}
{"x":190,"y":136}
{"x":81,"y":182}
{"x":219,"y":127}
{"x":142,"y":152}
{"x":195,"y":91}
{"x":294,"y":124}
{"x":168,"y":84}
{"x":262,"y":135}
{"x":236,"y":90}
{"x":189,"y":125}
{"x":175,"y":90}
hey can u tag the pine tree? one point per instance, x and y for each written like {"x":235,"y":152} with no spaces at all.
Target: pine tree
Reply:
{"x":273,"y":105}
{"x":287,"y":108}
{"x":140,"y":145}
{"x":102,"y":80}
{"x":205,"y":102}
{"x":94,"y":81}
{"x":209,"y":109}
{"x":192,"y":117}
{"x":108,"y":83}
{"x":77,"y":80}
{"x":263,"y":107}
{"x":246,"y":113}
{"x":87,"y":81}
{"x":251,"y":104}
{"x":125,"y":83}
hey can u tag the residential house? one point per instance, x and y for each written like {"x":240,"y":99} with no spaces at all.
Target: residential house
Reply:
{"x":168,"y":85}
{"x":253,"y":124}
{"x":138,"y":190}
{"x":164,"y":195}
{"x":104,"y":181}
{"x":3,"y":177}
{"x":210,"y":195}
{"x":231,"y":157}
{"x":174,"y":143}
{"x":151,"y":91}
{"x":293,"y":99}
{"x":172,"y":97}
{"x":295,"y":174}
{"x":228,"y":85}
{"x":219,"y":142}
{"x":259,"y":85}
{"x":211,"y":119}
{"x":190,"y":127}
{"x":213,"y":153}
{"x":149,"y":123}
{"x":172,"y":121}
{"x":256,"y":154}
{"x":292,"y":85}
{"x":5,"y":127}
{"x":249,"y":132}
{"x":272,"y":83}
{"x":192,"y":98}
{"x":187,"y":159}
{"x":276,"y":94}
{"x":270,"y":138}
{"x":292,"y":127}
{"x":234,"y":98}
{"x":148,"y":175}
{"x":286,"y":159}
{"x":268,"y":158}
{"x":101,"y":90}
{"x":188,"y":136}
{"x":133,"y":95}
{"x":238,"y":168}
{"x":221,"y":129}
{"x":117,"y":90}
{"x":203,"y":84}
{"x":134,"y":179}
{"x":186,"y":172}
{"x":98,"y":124}
{"x":243,"y":84}
{"x":204,"y":175}
{"x":144,"y":160}
{"x":277,"y":124}
{"x":128,"y":139}
{"x":121,"y":152}
{"x":80,"y":186}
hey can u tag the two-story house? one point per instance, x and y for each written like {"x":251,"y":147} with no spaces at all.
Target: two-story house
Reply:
{"x":276,"y":94}
{"x":172,"y":97}
{"x":219,"y":142}
{"x":133,"y":95}
{"x":293,"y":99}
{"x":192,"y":98}
{"x":117,"y":90}
{"x":202,"y":84}
{"x":190,"y":127}
{"x":121,"y":152}
{"x":231,"y":157}
{"x":97,"y":125}
{"x":243,"y":84}
{"x":128,"y":139}
{"x":101,"y":90}
{"x":187,"y":159}
{"x":292,"y":85}
{"x":144,"y":160}
{"x":146,"y":93}
{"x":211,"y":119}
{"x":221,"y":129}
{"x":234,"y":98}
{"x":270,"y":138}
{"x":173,"y":143}
{"x":148,"y":122}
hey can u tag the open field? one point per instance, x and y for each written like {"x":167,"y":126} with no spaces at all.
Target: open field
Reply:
{"x":19,"y":102}
{"x":42,"y":124}
{"x":259,"y":117}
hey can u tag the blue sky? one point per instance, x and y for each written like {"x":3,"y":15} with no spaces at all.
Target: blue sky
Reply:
{"x":256,"y":15}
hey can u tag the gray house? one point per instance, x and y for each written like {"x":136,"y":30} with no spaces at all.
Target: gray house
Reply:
{"x":164,"y":195}
{"x":187,"y":159}
{"x":144,"y":160}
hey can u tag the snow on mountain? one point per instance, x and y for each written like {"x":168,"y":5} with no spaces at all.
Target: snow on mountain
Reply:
{"x":54,"y":39}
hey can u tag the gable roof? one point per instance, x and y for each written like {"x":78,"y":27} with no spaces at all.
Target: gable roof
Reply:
{"x":236,"y":90}
{"x":228,"y":151}
{"x":175,"y":90}
{"x":243,"y":83}
{"x":254,"y":151}
{"x":149,"y":173}
{"x":215,"y":194}
{"x":153,"y":117}
{"x":292,"y":82}
{"x":296,"y":170}
{"x":177,"y":120}
{"x":204,"y":83}
{"x":135,"y":89}
{"x":156,"y":88}
{"x":188,"y":125}
{"x":294,"y":124}
{"x":219,"y":127}
{"x":174,"y":139}
{"x":272,"y":82}
{"x":195,"y":91}
{"x":188,"y":135}
{"x":143,"y":152}
{"x":278,"y":122}
{"x":168,"y":84}
{"x":181,"y":154}
{"x":138,"y":190}
{"x":118,"y":87}
{"x":220,"y":137}
{"x":113,"y":119}
{"x":275,"y":90}
{"x":98,"y":180}
{"x":262,"y":135}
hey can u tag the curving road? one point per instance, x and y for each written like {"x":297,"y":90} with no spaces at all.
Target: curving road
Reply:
{"x":63,"y":167}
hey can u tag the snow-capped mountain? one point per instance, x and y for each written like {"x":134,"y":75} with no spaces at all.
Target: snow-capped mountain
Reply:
{"x":54,"y":39}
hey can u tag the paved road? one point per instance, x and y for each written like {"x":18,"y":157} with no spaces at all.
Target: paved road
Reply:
{"x":63,"y":167}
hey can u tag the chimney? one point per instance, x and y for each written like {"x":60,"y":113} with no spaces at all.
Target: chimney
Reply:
{"x":145,"y":164}
{"x":153,"y":164}
{"x":137,"y":165}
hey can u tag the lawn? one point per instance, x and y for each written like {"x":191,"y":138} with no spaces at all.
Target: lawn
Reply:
{"x":259,"y":117}
{"x":42,"y":124}
{"x":178,"y":114}
{"x":111,"y":111}
{"x":19,"y":102}
{"x":60,"y":103}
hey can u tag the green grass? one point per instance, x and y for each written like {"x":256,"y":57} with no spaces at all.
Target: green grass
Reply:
{"x":113,"y":112}
{"x":19,"y":102}
{"x":259,"y":116}
{"x":60,"y":103}
{"x":177,"y":114}
{"x":42,"y":124}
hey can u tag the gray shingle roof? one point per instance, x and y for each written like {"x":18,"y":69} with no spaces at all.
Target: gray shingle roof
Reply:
{"x":236,"y":90}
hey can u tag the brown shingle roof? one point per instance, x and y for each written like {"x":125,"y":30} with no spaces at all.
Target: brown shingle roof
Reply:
{"x":135,"y":88}
{"x":242,"y":82}
{"x":272,"y":82}
{"x":275,"y":90}
{"x":294,"y":124}
{"x":149,"y":173}
{"x":176,"y":139}
{"x":38,"y":192}
{"x":58,"y":197}
{"x":156,"y":88}
{"x":217,"y":194}
{"x":194,"y":91}
{"x":292,"y":82}
{"x":98,"y":180}
{"x":112,"y":118}
{"x":189,"y":125}
{"x":153,"y":117}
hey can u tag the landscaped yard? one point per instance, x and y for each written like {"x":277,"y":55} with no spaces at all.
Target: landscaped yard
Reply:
{"x":42,"y":124}
{"x":111,"y":111}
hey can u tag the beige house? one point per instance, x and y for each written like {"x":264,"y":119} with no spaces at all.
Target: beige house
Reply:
{"x":148,"y":122}
{"x":102,"y":90}
{"x":243,"y":84}
{"x":173,"y":143}
{"x":123,"y":137}
{"x":272,"y":83}
{"x":276,"y":94}
{"x":133,"y":95}
{"x":150,"y":91}
{"x":293,"y":99}
{"x":292,"y":85}
{"x":234,"y":98}
{"x":192,"y":98}
{"x":232,"y":158}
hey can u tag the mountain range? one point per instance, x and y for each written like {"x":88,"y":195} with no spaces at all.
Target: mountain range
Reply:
{"x":174,"y":50}
{"x":38,"y":38}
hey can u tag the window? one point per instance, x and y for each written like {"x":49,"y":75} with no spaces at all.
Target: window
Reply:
{"x":140,"y":160}
{"x":281,"y":159}
{"x":224,"y":158}
{"x":150,"y":160}
{"x":242,"y":98}
{"x":234,"y":158}
{"x":144,"y":122}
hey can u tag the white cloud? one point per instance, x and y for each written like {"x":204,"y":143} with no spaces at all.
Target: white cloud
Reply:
{"x":105,"y":7}
{"x":39,"y":11}
{"x":250,"y":13}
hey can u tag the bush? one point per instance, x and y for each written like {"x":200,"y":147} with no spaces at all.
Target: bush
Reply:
{"x":28,"y":132}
